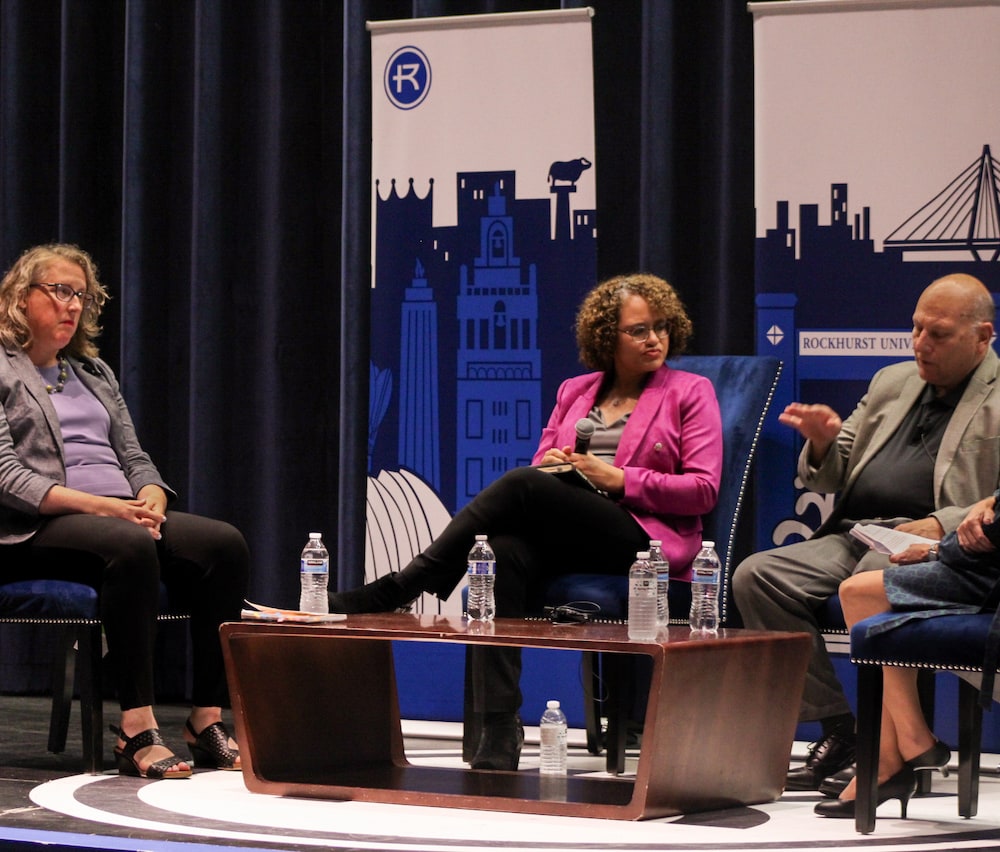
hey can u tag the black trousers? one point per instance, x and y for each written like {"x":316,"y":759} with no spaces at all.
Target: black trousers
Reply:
{"x":540,"y":527}
{"x":204,"y":564}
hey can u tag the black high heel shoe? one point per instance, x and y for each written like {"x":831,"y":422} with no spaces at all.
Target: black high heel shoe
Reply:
{"x":210,"y":749}
{"x":833,"y":786}
{"x":900,"y":786}
{"x":938,"y":756}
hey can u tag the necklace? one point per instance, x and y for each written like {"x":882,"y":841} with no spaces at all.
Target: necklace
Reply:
{"x":63,"y":375}
{"x":619,"y":401}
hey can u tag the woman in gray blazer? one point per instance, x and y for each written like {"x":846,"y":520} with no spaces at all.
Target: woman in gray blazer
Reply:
{"x":80,"y":500}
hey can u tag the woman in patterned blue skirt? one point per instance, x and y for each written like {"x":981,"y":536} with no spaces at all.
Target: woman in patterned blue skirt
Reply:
{"x":960,"y":574}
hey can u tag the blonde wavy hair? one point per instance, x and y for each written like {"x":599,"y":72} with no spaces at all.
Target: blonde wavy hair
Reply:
{"x":14,"y":328}
{"x":597,"y":320}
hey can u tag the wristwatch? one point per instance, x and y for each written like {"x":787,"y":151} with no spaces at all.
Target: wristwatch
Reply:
{"x":932,"y":553}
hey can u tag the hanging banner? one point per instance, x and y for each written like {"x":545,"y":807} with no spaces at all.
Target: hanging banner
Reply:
{"x":483,"y":244}
{"x":876,"y":172}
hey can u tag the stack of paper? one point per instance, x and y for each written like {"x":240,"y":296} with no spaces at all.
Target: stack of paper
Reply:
{"x":887,"y":540}
{"x":259,"y":612}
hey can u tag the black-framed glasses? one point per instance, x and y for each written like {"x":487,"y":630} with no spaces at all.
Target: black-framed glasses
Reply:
{"x":65,"y":293}
{"x":640,"y":332}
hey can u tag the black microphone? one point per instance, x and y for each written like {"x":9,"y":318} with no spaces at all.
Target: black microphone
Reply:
{"x":584,"y":432}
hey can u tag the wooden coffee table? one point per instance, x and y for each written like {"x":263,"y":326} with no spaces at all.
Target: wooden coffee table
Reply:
{"x":317,"y":715}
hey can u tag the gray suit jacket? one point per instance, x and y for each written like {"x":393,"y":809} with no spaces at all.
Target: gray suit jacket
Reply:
{"x":31,"y":446}
{"x":967,"y":466}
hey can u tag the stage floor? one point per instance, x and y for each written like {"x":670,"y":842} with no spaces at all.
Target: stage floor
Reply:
{"x":43,"y":800}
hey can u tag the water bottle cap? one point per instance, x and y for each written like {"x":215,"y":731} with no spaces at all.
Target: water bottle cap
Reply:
{"x":552,"y":704}
{"x":315,"y":535}
{"x":705,"y":544}
{"x":481,"y":537}
{"x":655,"y":542}
{"x":642,"y":554}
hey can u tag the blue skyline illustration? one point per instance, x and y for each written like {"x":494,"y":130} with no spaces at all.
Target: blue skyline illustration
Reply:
{"x":833,"y":277}
{"x":472,"y":325}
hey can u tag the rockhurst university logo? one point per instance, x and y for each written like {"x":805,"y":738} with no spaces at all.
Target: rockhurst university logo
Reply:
{"x":407,"y":77}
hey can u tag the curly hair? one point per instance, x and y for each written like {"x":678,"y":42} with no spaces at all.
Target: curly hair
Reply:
{"x":597,"y":320}
{"x":14,"y":328}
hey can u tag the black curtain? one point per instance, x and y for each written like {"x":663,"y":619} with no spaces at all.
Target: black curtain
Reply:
{"x":214,"y":157}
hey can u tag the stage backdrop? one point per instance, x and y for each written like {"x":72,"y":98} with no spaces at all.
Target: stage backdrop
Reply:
{"x":484,"y":242}
{"x":876,"y":172}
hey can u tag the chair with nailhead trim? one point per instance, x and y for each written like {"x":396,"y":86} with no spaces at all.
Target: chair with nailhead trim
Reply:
{"x":955,"y":643}
{"x":70,"y":611}
{"x":744,"y":386}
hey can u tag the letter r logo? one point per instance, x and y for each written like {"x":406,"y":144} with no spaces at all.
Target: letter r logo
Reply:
{"x":407,"y":77}
{"x":406,"y":72}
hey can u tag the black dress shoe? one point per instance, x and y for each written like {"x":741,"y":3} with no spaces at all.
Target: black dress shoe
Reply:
{"x":826,"y":757}
{"x":836,"y":783}
{"x":900,"y":786}
{"x":500,"y":744}
{"x":385,"y":594}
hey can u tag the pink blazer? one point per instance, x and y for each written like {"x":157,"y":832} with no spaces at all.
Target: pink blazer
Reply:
{"x":671,"y":452}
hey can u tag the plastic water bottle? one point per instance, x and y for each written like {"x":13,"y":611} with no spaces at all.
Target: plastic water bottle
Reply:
{"x":661,"y":565}
{"x":642,"y":599}
{"x":314,"y":574}
{"x":552,"y":732}
{"x":705,"y":572}
{"x":482,"y":574}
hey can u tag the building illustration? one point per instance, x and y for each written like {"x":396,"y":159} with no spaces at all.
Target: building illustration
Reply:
{"x":835,"y":307}
{"x":460,"y":332}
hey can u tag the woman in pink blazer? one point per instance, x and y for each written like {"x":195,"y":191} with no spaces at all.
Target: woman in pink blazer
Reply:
{"x":654,"y":461}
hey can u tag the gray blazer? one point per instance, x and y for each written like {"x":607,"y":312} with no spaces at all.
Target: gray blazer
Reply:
{"x":31,"y":448}
{"x":967,"y":467}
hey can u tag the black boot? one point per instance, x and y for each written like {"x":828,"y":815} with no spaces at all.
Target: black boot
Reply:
{"x":826,"y":757}
{"x":501,"y":741}
{"x":385,"y":594}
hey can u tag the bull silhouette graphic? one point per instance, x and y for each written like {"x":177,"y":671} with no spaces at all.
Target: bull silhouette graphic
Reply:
{"x":568,"y":171}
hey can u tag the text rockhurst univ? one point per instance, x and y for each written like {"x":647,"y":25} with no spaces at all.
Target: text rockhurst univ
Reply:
{"x":854,"y":342}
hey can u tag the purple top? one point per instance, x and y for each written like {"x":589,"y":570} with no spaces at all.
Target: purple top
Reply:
{"x":91,"y":463}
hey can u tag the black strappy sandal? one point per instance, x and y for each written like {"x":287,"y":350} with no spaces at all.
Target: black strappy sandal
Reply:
{"x":127,"y":764}
{"x":210,"y":748}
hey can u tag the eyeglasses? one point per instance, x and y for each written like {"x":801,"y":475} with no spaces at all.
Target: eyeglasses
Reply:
{"x":65,"y":293}
{"x":640,"y":332}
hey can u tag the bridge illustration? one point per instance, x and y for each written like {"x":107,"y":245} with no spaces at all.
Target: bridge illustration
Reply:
{"x":964,"y":216}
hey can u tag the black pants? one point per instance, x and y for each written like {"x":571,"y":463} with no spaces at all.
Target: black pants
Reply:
{"x":540,"y":527}
{"x":203,"y":563}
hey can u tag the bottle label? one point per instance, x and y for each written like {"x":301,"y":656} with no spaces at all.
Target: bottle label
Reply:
{"x":485,"y":567}
{"x":643,"y":587}
{"x":315,"y":566}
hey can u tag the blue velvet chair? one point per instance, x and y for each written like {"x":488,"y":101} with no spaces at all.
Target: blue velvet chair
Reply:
{"x":744,"y":385}
{"x":831,"y":622}
{"x":70,"y":612}
{"x":954,"y":643}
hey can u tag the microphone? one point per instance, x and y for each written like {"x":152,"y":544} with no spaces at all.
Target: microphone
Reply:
{"x":584,"y":432}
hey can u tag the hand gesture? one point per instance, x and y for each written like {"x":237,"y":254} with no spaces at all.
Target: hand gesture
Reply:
{"x":970,"y":531}
{"x":818,"y":424}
